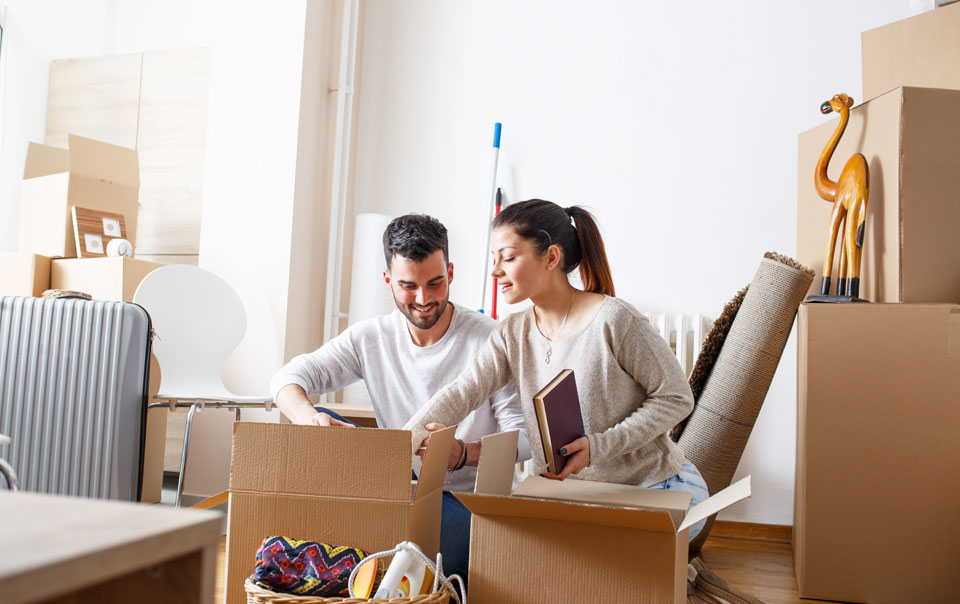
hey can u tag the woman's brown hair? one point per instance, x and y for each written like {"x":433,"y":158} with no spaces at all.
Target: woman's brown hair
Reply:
{"x":544,"y":223}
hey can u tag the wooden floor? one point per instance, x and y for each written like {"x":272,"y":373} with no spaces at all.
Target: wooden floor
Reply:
{"x":753,"y":558}
{"x":756,"y":559}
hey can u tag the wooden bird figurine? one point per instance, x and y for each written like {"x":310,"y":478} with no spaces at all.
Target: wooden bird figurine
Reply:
{"x":849,"y":197}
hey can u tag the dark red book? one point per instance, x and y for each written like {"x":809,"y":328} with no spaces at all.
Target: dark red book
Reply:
{"x":558,"y":414}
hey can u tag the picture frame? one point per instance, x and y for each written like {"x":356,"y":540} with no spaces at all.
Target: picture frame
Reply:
{"x":94,"y":229}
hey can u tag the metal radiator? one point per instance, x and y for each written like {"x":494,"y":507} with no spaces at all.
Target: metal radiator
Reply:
{"x":684,"y":333}
{"x":73,"y":394}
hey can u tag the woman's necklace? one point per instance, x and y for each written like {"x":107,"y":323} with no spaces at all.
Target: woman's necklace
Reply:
{"x":546,"y":359}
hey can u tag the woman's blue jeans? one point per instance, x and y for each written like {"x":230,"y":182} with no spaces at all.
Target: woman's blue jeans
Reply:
{"x":689,"y":480}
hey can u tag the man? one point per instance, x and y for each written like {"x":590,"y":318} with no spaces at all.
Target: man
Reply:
{"x":404,"y":358}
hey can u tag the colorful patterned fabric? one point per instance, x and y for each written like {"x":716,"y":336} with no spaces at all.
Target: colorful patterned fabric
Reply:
{"x":305,"y":567}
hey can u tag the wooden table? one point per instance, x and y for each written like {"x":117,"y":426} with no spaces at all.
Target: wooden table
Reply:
{"x":73,"y":550}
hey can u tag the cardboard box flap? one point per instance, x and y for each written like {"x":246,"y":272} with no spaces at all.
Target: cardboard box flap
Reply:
{"x":498,"y":455}
{"x":102,"y":161}
{"x":725,"y":498}
{"x":566,"y":511}
{"x":676,"y":503}
{"x":434,"y":467}
{"x":309,"y":460}
{"x":43,"y":160}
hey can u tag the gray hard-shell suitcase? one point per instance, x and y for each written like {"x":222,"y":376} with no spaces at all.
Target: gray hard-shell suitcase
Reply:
{"x":73,"y":394}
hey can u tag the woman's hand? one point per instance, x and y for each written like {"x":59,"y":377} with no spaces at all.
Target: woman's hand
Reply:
{"x":454,"y":447}
{"x":578,"y":457}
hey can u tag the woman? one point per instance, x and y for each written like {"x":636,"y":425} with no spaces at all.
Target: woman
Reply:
{"x":632,"y":389}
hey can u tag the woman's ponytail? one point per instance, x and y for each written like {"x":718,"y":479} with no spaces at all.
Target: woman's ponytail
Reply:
{"x":594,"y":266}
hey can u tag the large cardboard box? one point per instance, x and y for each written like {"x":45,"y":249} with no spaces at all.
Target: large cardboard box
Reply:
{"x":90,"y":174}
{"x":920,"y":51}
{"x":578,"y":541}
{"x":342,"y":486}
{"x":24,"y":274}
{"x":911,"y":140}
{"x":878,"y":458}
{"x":112,"y":278}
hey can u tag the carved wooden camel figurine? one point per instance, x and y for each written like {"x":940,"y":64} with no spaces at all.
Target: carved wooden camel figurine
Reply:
{"x":849,"y":197}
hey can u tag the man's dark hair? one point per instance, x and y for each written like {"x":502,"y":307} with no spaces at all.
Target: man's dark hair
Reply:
{"x":414,"y":236}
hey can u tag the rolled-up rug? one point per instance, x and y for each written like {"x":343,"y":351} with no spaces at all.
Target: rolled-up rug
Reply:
{"x":736,"y":385}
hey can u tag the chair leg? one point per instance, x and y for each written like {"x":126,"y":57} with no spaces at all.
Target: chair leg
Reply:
{"x":11,"y":476}
{"x":184,"y":452}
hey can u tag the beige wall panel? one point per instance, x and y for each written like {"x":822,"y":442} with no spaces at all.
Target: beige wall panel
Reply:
{"x":173,"y":448}
{"x":190,"y":259}
{"x":95,"y":97}
{"x":173,"y":126}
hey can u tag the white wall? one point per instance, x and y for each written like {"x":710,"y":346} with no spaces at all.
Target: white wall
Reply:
{"x":664,"y":118}
{"x":263,"y":226}
{"x":39,"y":31}
{"x":676,"y":122}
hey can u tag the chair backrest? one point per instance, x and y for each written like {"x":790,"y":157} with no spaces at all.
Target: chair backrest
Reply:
{"x":198,"y":320}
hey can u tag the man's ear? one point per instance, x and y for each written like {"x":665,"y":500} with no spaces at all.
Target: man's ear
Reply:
{"x":386,"y":278}
{"x":450,"y":273}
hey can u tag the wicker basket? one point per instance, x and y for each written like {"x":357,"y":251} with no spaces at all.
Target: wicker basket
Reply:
{"x":259,"y":595}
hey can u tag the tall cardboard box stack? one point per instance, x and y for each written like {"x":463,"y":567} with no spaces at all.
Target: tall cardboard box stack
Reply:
{"x":878,"y":385}
{"x":89,"y":174}
{"x":94,"y":175}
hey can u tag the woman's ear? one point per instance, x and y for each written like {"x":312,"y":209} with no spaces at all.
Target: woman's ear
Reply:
{"x":554,"y":257}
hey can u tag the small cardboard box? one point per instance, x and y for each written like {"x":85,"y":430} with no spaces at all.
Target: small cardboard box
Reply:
{"x":575,"y":540}
{"x":113,"y":278}
{"x":90,"y":174}
{"x":342,"y":486}
{"x":909,"y":137}
{"x":878,"y":458}
{"x":923,"y":50}
{"x":24,"y":274}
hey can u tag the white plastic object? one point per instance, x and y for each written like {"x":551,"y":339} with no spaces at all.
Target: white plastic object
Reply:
{"x":414,"y":577}
{"x":119,"y":247}
{"x":389,"y":585}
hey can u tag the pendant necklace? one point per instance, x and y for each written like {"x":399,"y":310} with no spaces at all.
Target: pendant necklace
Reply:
{"x":546,"y":359}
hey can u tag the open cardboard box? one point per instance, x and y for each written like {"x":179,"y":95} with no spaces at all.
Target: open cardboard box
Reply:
{"x":342,"y":486}
{"x":909,"y":139}
{"x":90,"y":174}
{"x":575,"y":540}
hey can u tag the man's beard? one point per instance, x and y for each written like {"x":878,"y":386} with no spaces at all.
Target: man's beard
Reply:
{"x":422,"y":322}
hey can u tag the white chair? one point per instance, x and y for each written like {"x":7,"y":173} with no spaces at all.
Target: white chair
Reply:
{"x":6,"y":470}
{"x":198,"y":320}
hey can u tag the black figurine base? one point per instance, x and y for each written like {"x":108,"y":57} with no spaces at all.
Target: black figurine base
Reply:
{"x":833,"y":299}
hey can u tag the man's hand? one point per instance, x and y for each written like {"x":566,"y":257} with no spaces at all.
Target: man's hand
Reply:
{"x":322,"y":419}
{"x":578,"y":457}
{"x":293,"y":402}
